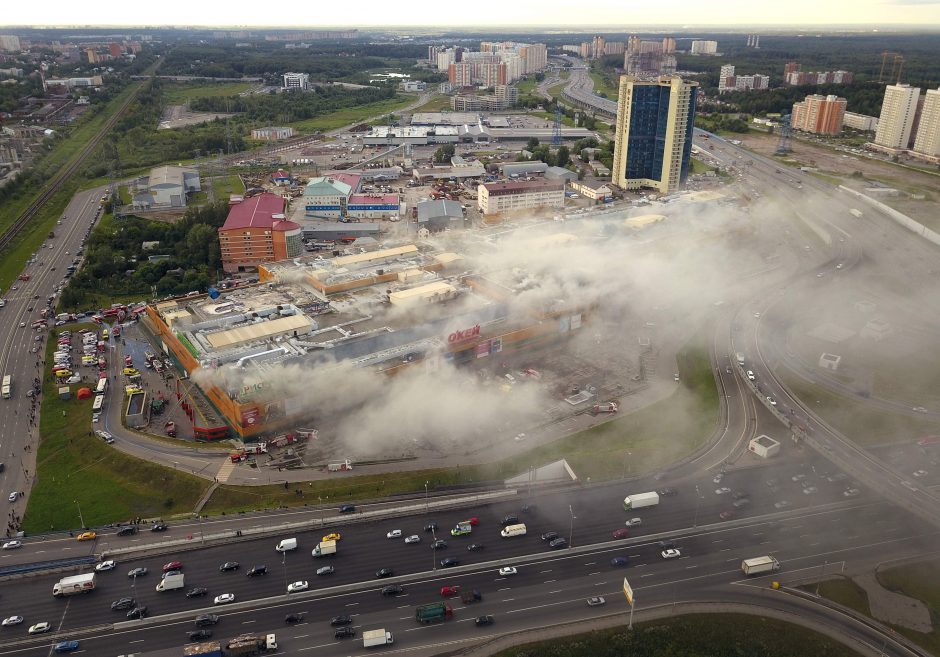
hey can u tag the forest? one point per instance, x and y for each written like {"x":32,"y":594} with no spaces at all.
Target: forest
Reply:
{"x":284,"y":108}
{"x":115,"y":261}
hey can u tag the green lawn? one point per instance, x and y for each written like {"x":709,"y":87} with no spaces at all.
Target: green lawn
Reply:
{"x":602,"y":87}
{"x":548,"y":116}
{"x":637,"y":443}
{"x":695,"y":635}
{"x":857,"y":422}
{"x":700,"y":167}
{"x":527,"y":85}
{"x":181,"y":93}
{"x":843,"y":591}
{"x":223,"y":186}
{"x":351,"y":115}
{"x":77,"y":468}
{"x":918,"y":580}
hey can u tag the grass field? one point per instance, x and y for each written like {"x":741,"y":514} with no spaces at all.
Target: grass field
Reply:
{"x":919,"y":581}
{"x":601,"y":87}
{"x":843,"y":591}
{"x":640,"y":442}
{"x":565,"y":120}
{"x":527,"y":85}
{"x":77,"y":468}
{"x":351,"y":115}
{"x":690,"y":636}
{"x":856,"y":421}
{"x":223,"y":186}
{"x":439,"y":103}
{"x":181,"y":93}
{"x":700,"y":167}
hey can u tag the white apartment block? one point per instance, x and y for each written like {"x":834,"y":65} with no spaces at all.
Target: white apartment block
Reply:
{"x":10,"y":43}
{"x":704,"y":47}
{"x":445,"y":58}
{"x":493,"y":198}
{"x":860,"y":121}
{"x":897,"y":116}
{"x":927,"y":141}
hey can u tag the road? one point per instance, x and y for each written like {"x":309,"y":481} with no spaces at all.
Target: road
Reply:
{"x":759,"y":338}
{"x":23,"y":346}
{"x":550,"y":585}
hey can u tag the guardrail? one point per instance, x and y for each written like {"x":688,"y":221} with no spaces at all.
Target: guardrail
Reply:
{"x":43,"y":566}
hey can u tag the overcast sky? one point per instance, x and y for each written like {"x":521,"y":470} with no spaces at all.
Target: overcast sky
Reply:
{"x":612,"y":14}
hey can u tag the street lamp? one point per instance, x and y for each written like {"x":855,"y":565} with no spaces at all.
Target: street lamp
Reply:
{"x":433,"y":550}
{"x":426,"y":496}
{"x":625,"y":459}
{"x":320,"y":506}
{"x":698,"y":497}
{"x":82,"y":519}
{"x":571,"y":527}
{"x":284,"y":563}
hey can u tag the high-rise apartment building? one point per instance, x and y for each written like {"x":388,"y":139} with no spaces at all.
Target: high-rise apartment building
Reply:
{"x":598,"y":49}
{"x":298,"y":81}
{"x":433,"y":52}
{"x":790,"y":67}
{"x":704,"y":47}
{"x":927,"y":141}
{"x":445,"y":58}
{"x":897,"y":116}
{"x":460,"y":74}
{"x":646,"y":59}
{"x":726,"y":78}
{"x":654,"y":133}
{"x":819,"y":115}
{"x":10,"y":42}
{"x":613,"y":48}
{"x":669,"y":45}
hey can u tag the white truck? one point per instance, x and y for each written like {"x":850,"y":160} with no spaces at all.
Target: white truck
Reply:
{"x":760,"y":565}
{"x":640,"y":500}
{"x":74,"y":584}
{"x":172,"y":582}
{"x":740,"y":358}
{"x":324,"y":549}
{"x":373,"y":638}
{"x":286,"y":545}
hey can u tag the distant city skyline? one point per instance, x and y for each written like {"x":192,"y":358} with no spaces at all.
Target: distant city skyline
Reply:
{"x":600,"y":14}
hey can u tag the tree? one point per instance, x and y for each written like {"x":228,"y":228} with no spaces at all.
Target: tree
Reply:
{"x":563,"y":156}
{"x":444,"y":153}
{"x":532,"y":144}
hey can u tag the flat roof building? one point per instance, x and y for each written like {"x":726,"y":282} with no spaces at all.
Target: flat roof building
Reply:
{"x":897,"y":116}
{"x":255,"y":232}
{"x":819,"y":115}
{"x":167,"y":187}
{"x":493,"y":198}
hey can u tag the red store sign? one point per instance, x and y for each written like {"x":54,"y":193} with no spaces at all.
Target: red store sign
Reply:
{"x":466,"y":334}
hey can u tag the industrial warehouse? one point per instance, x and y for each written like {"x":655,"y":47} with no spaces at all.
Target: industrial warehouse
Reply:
{"x":386,"y":311}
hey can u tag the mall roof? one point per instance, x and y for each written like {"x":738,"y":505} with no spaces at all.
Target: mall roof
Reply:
{"x":255,"y":212}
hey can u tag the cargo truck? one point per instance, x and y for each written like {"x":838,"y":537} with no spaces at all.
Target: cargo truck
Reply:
{"x":373,"y":638}
{"x":759,"y":565}
{"x":436,"y":612}
{"x":74,"y":584}
{"x":172,"y":582}
{"x":246,"y":644}
{"x":324,"y":549}
{"x":640,"y":500}
{"x":462,"y":528}
{"x":740,"y":358}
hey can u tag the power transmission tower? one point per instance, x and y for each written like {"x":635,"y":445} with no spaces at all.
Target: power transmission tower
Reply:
{"x":783,"y":146}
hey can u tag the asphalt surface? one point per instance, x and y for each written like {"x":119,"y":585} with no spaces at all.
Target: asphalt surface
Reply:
{"x":18,"y":438}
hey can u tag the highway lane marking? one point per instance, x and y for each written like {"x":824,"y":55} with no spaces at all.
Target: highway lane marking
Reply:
{"x":725,"y":550}
{"x":508,"y":600}
{"x":351,"y":604}
{"x":592,"y":574}
{"x":137,"y":641}
{"x":542,"y":572}
{"x":589,"y":563}
{"x":639,"y":565}
{"x":322,"y":645}
{"x":601,"y":584}
{"x":551,"y":592}
{"x":247,"y":621}
{"x":549,"y":581}
{"x":729,"y":560}
{"x":404,"y":617}
{"x":634,"y":555}
{"x":404,"y":606}
{"x":508,"y":588}
{"x":301,"y":636}
{"x":692,"y":566}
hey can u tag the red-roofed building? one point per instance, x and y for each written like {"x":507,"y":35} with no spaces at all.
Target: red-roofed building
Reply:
{"x":256,"y":231}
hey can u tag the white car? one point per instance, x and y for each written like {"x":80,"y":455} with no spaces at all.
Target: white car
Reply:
{"x":14,"y":496}
{"x":414,"y":538}
{"x":718,"y":478}
{"x":295,"y":587}
{"x":724,"y":490}
{"x":771,"y":401}
{"x":11,"y":621}
{"x":634,"y":522}
{"x":395,"y":533}
{"x":106,"y":565}
{"x":12,"y":545}
{"x":919,"y":473}
{"x":224,"y":599}
{"x":507,"y":571}
{"x":809,"y":490}
{"x":851,"y":492}
{"x":671,"y":553}
{"x":39,"y":628}
{"x":750,"y":375}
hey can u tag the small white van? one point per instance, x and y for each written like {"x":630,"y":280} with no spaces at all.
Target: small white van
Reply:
{"x":287,"y":545}
{"x":513,"y":530}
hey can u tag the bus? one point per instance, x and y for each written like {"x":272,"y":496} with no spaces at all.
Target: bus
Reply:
{"x":96,"y":407}
{"x":7,"y":384}
{"x":102,"y":386}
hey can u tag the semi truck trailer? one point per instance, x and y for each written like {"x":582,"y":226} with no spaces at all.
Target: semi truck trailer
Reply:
{"x":436,"y":612}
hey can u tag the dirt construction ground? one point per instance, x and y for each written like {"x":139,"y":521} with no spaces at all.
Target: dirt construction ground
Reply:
{"x":838,"y":167}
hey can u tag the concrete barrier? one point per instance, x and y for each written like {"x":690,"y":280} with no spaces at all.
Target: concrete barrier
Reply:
{"x":900,"y":218}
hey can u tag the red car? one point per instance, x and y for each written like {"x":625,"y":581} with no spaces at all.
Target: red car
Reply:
{"x":473,"y":521}
{"x":448,"y":591}
{"x":726,"y":515}
{"x":621,"y":533}
{"x":173,"y":565}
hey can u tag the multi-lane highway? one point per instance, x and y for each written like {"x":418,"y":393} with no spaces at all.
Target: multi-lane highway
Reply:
{"x":23,"y":347}
{"x":798,"y":532}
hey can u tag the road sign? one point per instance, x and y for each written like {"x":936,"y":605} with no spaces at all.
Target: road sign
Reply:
{"x":628,"y":591}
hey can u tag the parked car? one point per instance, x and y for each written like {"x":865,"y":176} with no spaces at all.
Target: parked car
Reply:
{"x":483,"y":620}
